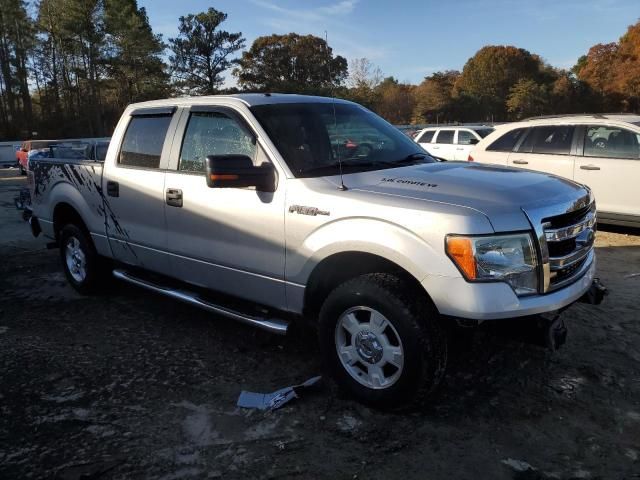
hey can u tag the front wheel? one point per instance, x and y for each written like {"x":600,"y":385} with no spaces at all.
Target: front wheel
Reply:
{"x":382,"y":342}
{"x":80,"y":260}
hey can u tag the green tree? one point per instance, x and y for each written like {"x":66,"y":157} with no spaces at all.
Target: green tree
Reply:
{"x":489,"y":75}
{"x":202,"y":52}
{"x":291,"y":63}
{"x":133,"y":54}
{"x":527,"y":99}
{"x":17,"y":37}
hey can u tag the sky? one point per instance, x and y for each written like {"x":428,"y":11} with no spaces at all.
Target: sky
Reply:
{"x":410,"y":39}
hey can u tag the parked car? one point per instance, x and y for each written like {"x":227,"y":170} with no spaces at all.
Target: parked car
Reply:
{"x":239,"y":205}
{"x":601,"y":151}
{"x":8,"y":154}
{"x":451,"y":143}
{"x":22,"y":155}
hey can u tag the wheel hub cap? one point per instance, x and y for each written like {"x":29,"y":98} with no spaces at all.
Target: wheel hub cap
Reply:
{"x":75,"y":259}
{"x":368,"y":347}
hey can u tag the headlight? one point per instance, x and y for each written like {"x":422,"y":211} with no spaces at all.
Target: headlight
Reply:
{"x":501,"y":258}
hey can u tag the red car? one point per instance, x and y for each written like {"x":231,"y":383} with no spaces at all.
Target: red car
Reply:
{"x":22,"y":155}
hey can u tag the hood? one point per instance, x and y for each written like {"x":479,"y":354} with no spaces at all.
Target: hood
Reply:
{"x":500,"y":193}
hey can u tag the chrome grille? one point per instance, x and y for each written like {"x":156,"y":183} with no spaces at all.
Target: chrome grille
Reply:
{"x":569,"y":240}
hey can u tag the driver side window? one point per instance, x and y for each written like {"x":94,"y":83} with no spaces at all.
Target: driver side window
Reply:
{"x":213,"y":133}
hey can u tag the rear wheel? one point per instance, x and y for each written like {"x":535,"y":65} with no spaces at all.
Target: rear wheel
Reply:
{"x":81,"y":264}
{"x":382,"y":342}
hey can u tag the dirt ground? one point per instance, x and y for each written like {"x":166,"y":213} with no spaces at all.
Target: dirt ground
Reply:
{"x":132,"y":385}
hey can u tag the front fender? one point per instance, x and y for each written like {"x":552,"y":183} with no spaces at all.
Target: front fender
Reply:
{"x":368,"y":235}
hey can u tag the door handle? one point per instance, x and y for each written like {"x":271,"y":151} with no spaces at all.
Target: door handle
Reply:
{"x":460,"y":148}
{"x":521,"y":162}
{"x":174,"y":197}
{"x":113,"y":188}
{"x":589,"y":167}
{"x":435,"y":148}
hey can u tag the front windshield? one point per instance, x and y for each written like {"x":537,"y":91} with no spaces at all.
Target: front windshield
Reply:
{"x":312,"y":140}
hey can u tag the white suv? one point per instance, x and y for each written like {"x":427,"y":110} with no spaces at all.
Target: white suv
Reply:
{"x":451,"y":143}
{"x":600,"y":151}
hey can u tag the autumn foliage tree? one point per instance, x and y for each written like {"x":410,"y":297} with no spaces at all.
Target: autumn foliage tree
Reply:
{"x":434,"y":98}
{"x":613,"y":71}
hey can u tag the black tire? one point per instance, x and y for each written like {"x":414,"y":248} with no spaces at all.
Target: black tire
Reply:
{"x":92,"y":265}
{"x":22,"y":170}
{"x":416,"y":323}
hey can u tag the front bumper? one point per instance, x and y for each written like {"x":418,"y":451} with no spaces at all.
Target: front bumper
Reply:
{"x":454,"y":296}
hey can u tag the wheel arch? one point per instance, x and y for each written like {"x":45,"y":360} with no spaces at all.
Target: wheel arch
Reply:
{"x":63,"y":214}
{"x":343,"y":266}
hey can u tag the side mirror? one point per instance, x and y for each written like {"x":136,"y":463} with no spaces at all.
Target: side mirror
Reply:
{"x":238,"y":171}
{"x":473,"y":141}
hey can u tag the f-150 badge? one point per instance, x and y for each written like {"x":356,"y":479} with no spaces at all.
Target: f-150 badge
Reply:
{"x":302,"y":210}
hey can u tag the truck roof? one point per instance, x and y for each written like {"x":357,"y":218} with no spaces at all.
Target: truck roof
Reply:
{"x":248,"y":99}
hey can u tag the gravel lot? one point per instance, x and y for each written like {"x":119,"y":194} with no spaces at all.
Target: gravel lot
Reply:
{"x":131,"y":385}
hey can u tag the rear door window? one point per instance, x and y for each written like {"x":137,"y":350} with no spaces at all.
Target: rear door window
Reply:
{"x":611,"y":142}
{"x":427,"y":136}
{"x":143,"y":141}
{"x":508,"y":141}
{"x":445,"y":136}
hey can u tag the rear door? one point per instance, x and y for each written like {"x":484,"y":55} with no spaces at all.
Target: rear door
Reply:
{"x":549,"y":148}
{"x":444,"y":146}
{"x":227,"y":239}
{"x":610,"y":166}
{"x":134,"y":188}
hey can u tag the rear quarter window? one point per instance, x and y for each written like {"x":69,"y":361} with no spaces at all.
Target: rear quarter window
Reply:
{"x":426,"y":137}
{"x":507,"y":141}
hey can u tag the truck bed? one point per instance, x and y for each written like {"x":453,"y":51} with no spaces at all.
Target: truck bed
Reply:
{"x":47,"y":176}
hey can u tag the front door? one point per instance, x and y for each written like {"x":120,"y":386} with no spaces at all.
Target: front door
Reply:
{"x":133,"y":185}
{"x":225,"y":239}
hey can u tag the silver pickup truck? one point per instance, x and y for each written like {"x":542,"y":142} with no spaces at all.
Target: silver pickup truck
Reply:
{"x":270,"y":208}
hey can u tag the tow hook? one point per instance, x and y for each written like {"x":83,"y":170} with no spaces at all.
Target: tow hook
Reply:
{"x":556,"y":334}
{"x":596,"y":293}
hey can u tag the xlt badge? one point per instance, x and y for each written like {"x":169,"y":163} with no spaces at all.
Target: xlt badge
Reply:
{"x":302,"y":210}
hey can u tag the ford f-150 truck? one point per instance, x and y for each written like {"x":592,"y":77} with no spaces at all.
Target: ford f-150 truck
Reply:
{"x":250,"y":207}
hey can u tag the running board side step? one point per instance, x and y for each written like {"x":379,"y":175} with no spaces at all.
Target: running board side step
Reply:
{"x":273,"y":325}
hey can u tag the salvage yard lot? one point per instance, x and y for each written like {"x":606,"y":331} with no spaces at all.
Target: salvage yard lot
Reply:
{"x":130,"y":384}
